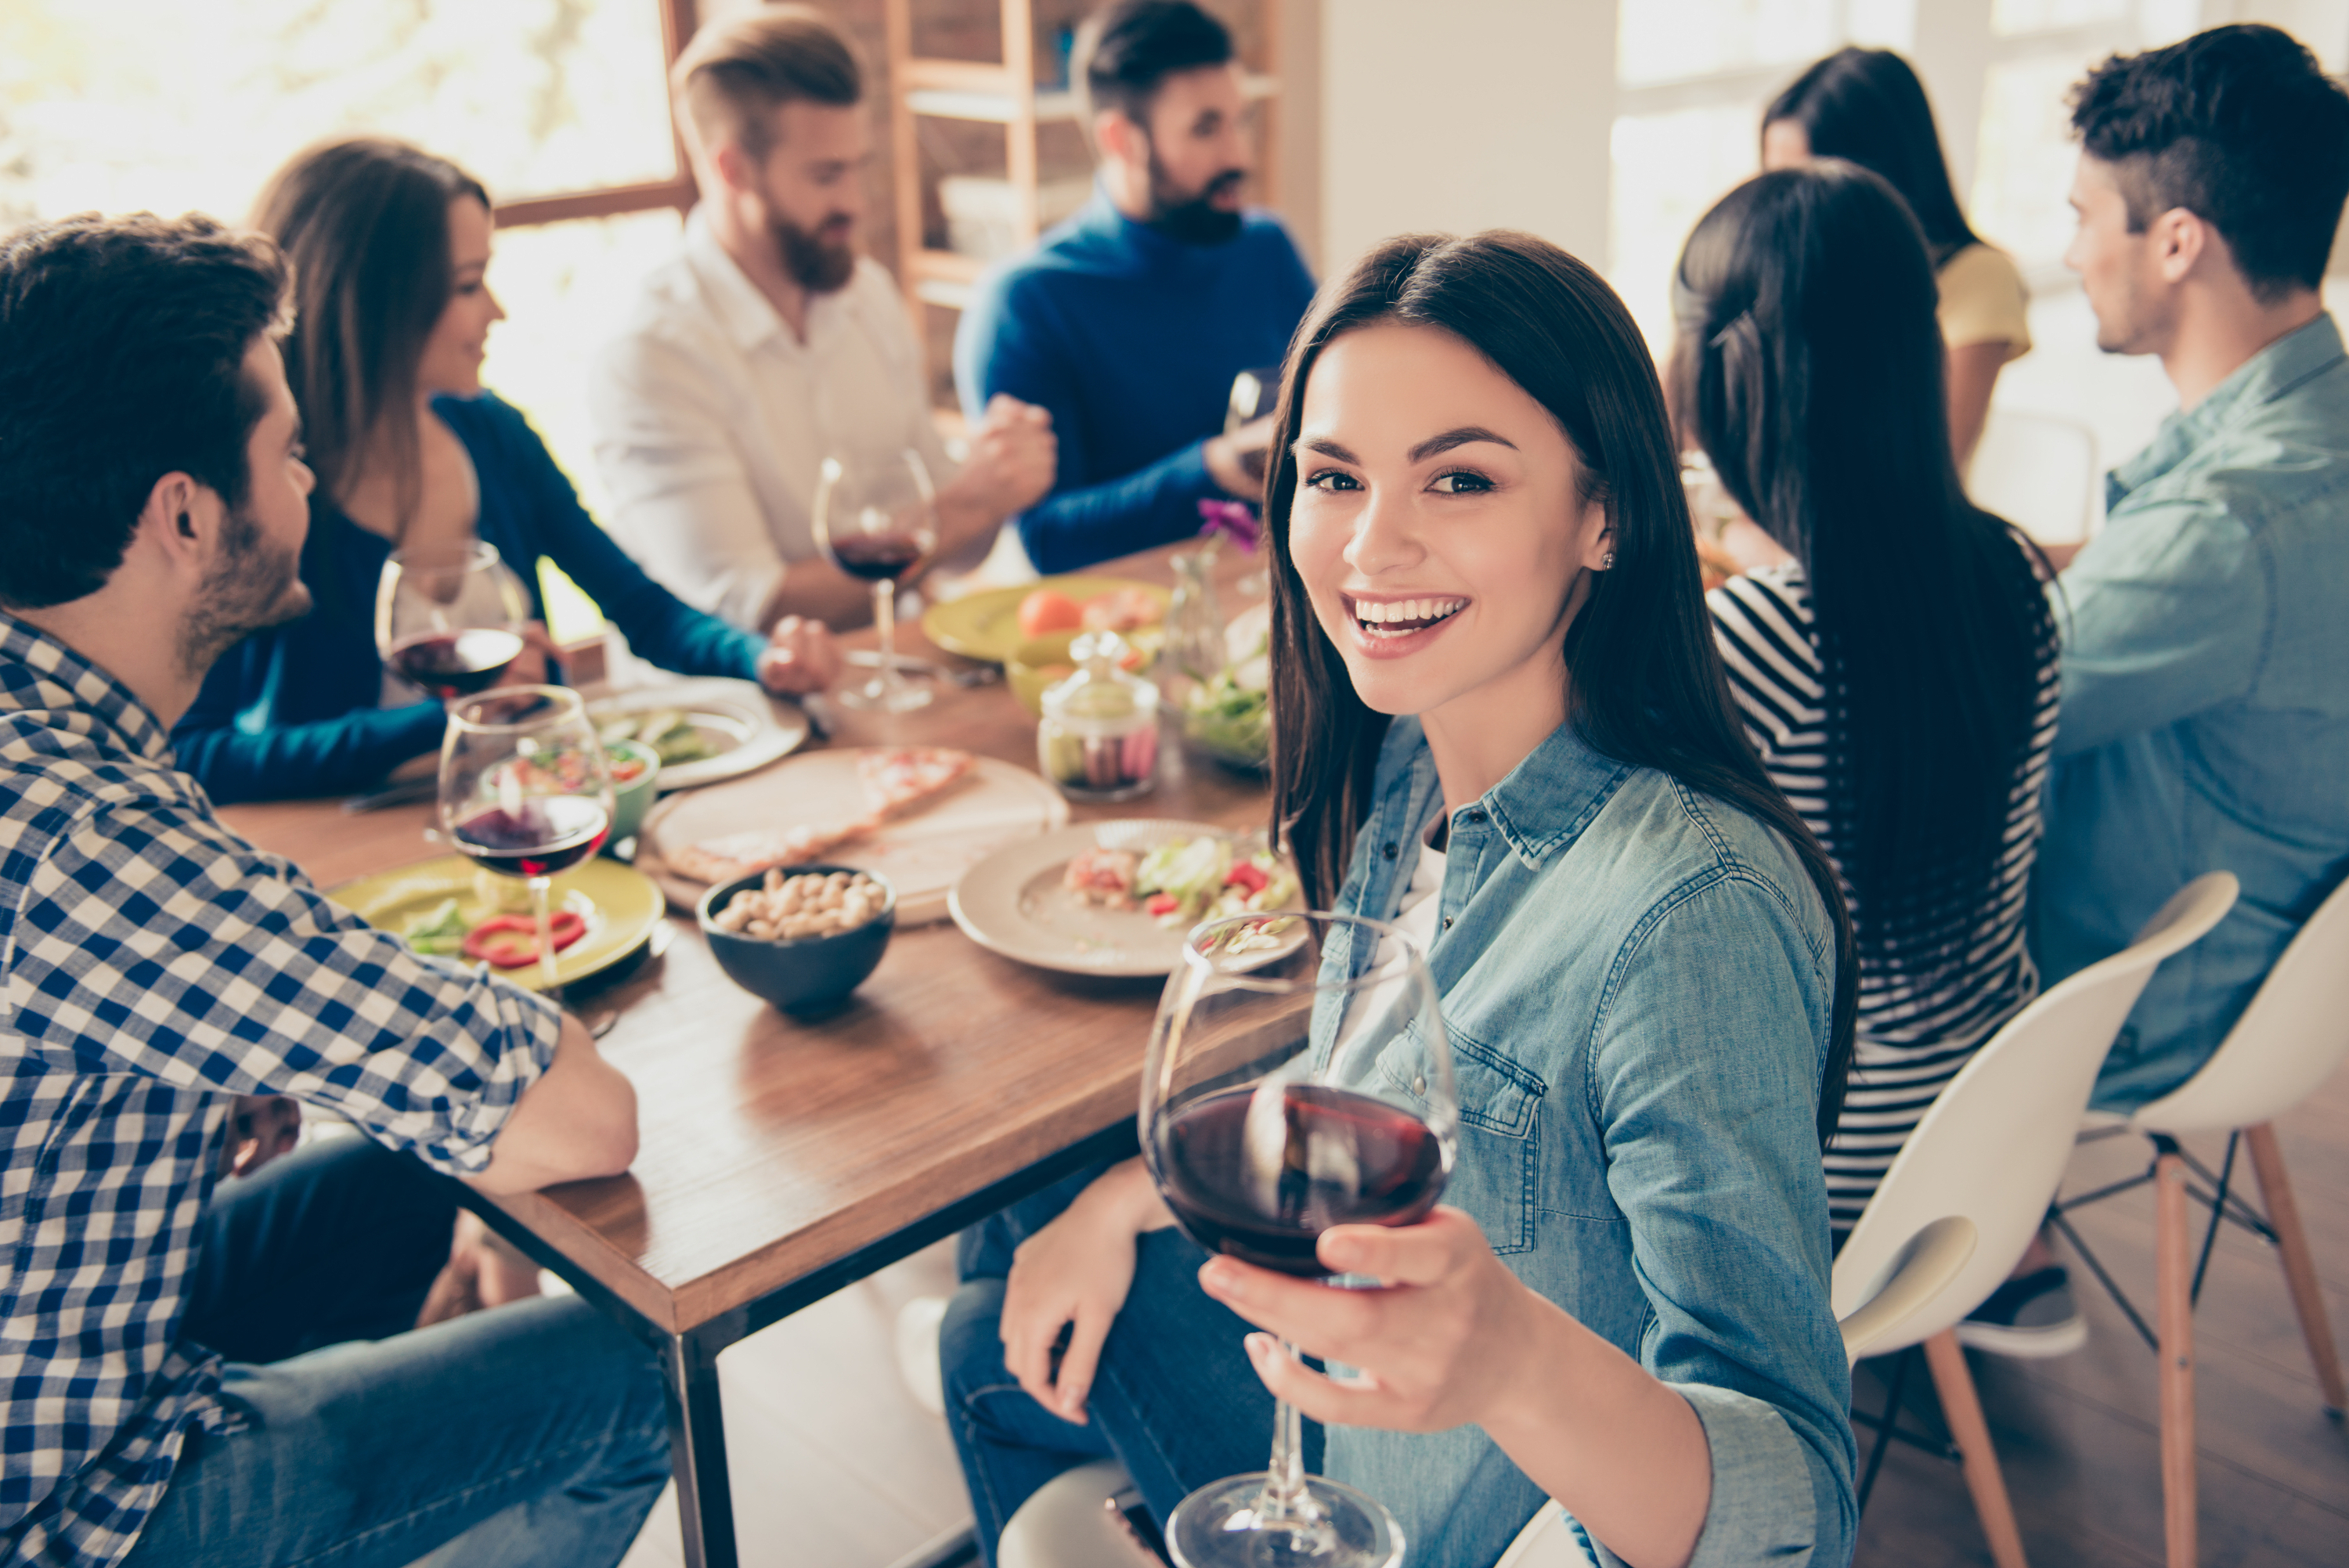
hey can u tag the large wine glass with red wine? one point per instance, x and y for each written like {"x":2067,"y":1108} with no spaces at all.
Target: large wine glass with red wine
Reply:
{"x":876,"y":519}
{"x":449,"y":617}
{"x":1297,"y":1079}
{"x":526,"y":791}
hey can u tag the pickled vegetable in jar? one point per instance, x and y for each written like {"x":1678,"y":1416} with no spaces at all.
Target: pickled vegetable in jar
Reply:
{"x":1099,"y":737}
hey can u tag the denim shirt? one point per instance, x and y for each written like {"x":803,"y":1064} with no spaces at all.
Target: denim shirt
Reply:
{"x":2205,"y":722}
{"x":1636,"y":981}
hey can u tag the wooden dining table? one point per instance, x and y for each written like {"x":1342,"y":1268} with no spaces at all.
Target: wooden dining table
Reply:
{"x":783,"y":1157}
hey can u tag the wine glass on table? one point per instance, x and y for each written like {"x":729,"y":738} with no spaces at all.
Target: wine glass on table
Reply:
{"x":449,"y":617}
{"x":876,"y":518}
{"x":1297,"y":1079}
{"x":526,"y":791}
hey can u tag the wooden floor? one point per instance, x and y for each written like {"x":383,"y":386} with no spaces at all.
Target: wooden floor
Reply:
{"x":835,"y":1467}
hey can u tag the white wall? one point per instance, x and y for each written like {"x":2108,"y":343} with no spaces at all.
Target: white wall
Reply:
{"x":1474,"y":114}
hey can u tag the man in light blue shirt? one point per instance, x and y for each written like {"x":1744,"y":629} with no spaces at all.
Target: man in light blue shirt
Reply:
{"x":2205,"y":722}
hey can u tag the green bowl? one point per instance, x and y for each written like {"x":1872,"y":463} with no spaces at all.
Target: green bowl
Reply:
{"x":631,"y":801}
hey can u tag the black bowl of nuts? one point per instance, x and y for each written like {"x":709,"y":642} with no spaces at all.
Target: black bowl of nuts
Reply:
{"x":802,"y":937}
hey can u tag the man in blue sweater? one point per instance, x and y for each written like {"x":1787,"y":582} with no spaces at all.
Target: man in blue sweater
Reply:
{"x":1131,"y":320}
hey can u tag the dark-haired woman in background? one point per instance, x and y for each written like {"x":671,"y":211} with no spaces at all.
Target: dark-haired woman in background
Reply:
{"x":1898,"y":670}
{"x":1867,"y":105}
{"x":1504,"y":725}
{"x":389,"y":245}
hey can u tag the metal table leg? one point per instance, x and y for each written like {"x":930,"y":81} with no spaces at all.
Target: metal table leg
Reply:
{"x":696,"y":1441}
{"x":697,"y":1425}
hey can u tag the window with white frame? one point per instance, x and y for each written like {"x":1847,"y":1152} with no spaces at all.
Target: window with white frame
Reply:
{"x":1694,"y":76}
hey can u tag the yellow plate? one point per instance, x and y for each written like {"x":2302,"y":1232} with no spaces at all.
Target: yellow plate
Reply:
{"x":620,"y":904}
{"x":985,"y":626}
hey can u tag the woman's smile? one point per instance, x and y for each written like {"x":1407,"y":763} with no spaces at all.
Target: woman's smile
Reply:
{"x":1389,"y":626}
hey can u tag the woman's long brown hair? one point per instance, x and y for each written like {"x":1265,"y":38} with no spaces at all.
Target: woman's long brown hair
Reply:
{"x":365,"y":222}
{"x":1643,"y":679}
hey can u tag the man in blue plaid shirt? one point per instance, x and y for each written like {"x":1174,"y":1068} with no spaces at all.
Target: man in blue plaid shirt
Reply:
{"x":217,"y":1374}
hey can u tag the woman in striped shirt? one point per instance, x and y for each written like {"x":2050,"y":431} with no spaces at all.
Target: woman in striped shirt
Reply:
{"x":1895,"y":660}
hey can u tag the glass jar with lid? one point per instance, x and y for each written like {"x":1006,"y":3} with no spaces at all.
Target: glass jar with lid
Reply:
{"x":1099,"y":737}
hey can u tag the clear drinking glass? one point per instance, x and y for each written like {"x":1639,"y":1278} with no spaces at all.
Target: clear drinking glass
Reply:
{"x":1284,"y":1093}
{"x":449,"y":617}
{"x":876,"y":518}
{"x":526,"y":791}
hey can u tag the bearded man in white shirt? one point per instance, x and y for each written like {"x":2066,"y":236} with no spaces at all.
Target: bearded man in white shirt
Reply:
{"x":766,"y":344}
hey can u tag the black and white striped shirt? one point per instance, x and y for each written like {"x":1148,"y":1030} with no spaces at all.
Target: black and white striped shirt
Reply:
{"x":1913,"y":1038}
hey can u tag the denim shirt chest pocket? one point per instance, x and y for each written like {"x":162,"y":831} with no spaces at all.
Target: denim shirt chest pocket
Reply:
{"x":1496,"y":1175}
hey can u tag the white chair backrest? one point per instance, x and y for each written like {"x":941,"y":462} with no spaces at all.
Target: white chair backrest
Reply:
{"x":2037,"y":472}
{"x":1993,"y":1146}
{"x":2288,"y":1041}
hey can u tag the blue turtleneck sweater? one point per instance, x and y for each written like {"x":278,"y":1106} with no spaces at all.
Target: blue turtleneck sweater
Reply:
{"x":1131,"y":339}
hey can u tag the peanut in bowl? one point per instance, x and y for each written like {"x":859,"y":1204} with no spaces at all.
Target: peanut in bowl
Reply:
{"x":802,"y":937}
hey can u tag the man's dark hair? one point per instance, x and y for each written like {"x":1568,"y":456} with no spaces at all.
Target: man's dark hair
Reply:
{"x":123,"y":345}
{"x":2240,"y":127}
{"x":1126,"y":49}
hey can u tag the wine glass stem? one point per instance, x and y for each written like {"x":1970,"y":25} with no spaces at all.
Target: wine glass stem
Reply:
{"x":539,"y":887}
{"x":1285,"y":1497}
{"x":884,"y":626}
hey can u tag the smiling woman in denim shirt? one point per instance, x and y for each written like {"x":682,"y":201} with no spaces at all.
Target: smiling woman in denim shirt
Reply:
{"x":1503,"y":720}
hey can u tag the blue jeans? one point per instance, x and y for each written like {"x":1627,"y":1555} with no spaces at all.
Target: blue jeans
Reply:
{"x":531,"y":1434}
{"x":1174,"y":1398}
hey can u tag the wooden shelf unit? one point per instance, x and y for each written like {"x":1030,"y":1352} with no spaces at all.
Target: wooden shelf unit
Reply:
{"x":1003,"y":94}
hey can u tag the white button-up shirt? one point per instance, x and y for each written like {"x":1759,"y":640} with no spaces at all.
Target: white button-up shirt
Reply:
{"x":712,"y":419}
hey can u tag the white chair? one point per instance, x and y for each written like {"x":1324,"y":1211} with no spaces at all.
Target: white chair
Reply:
{"x":1992,"y":1149}
{"x":2293,"y":1035}
{"x":2039,"y":472}
{"x":1946,"y":1226}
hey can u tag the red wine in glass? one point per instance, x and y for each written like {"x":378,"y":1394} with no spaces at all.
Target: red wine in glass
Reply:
{"x":545,"y":834}
{"x":457,"y":664}
{"x":1265,"y":1194}
{"x":878,"y":558}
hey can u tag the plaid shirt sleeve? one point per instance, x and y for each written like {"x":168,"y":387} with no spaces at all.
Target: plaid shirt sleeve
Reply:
{"x":154,"y":941}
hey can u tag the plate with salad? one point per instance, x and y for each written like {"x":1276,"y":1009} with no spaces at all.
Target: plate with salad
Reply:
{"x":600,"y":909}
{"x":1117,"y":897}
{"x":703,"y":730}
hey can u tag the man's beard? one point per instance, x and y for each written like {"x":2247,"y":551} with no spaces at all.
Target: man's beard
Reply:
{"x":817,"y":264}
{"x":248,"y":589}
{"x":1190,"y":216}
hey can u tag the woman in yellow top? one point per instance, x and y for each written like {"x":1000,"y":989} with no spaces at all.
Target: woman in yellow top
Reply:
{"x":1867,"y":106}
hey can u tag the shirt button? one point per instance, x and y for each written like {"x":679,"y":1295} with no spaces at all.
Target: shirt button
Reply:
{"x":1390,"y":850}
{"x":1419,"y":1084}
{"x":1475,"y":818}
{"x":1447,"y":923}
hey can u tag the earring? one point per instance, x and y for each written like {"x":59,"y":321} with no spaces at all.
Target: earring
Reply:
{"x":1607,"y":561}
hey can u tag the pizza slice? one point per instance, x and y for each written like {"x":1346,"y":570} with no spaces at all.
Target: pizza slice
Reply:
{"x":722,"y":860}
{"x":894,"y":783}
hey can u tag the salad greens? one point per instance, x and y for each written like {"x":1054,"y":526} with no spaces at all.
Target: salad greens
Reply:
{"x":1187,"y":881}
{"x":667,"y":731}
{"x":1229,"y":715}
{"x":440,"y":929}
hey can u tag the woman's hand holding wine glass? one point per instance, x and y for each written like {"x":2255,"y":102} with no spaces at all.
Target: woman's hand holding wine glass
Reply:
{"x":1298,"y":1083}
{"x":1439,"y":1344}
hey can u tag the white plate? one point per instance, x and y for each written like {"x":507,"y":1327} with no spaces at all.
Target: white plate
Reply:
{"x":923,"y":855}
{"x":1012,"y":903}
{"x":741,"y":723}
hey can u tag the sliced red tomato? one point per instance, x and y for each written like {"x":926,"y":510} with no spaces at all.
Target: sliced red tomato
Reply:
{"x":510,"y":940}
{"x":1163,"y":904}
{"x":1246,"y":875}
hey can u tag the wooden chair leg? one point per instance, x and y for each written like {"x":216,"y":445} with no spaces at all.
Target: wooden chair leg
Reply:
{"x":2298,"y":1265}
{"x":2173,"y":1275}
{"x":1963,"y":1409}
